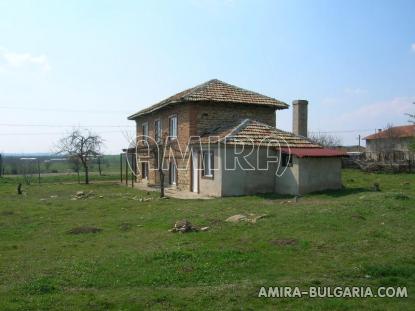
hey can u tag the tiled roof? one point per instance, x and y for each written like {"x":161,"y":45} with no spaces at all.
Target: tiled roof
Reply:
{"x":394,"y":132}
{"x":250,"y":132}
{"x":314,"y":152}
{"x":215,"y":91}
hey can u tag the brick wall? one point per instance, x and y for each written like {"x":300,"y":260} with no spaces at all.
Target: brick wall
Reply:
{"x":182,"y":113}
{"x":195,"y":119}
{"x":207,"y":115}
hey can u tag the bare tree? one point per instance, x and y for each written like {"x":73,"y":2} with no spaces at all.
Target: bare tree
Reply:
{"x":326,"y":140}
{"x":99,"y":165}
{"x":411,"y":116}
{"x":75,"y":164}
{"x":83,"y":145}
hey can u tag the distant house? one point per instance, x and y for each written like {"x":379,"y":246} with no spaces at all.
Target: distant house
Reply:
{"x":391,"y":144}
{"x":222,"y":141}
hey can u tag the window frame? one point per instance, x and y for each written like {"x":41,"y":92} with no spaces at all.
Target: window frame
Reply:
{"x":210,"y":163}
{"x":172,"y":181}
{"x":173,"y":117}
{"x":158,"y":130}
{"x":286,"y":160}
{"x":145,"y":136}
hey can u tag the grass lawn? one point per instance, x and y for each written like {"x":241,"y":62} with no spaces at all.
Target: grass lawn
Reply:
{"x":352,"y":237}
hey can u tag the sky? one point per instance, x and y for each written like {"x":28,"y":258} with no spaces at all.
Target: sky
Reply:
{"x":90,"y":64}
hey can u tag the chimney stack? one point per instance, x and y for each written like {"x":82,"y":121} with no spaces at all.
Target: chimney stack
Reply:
{"x":300,"y":115}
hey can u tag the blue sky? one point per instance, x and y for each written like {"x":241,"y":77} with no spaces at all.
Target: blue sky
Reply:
{"x":92,"y":63}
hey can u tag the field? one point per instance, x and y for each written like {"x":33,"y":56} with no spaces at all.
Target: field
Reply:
{"x":54,"y":164}
{"x":352,"y":237}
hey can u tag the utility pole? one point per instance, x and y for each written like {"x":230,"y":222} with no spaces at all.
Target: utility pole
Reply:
{"x":359,"y":144}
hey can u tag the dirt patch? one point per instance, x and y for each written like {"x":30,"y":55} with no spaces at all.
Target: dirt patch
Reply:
{"x":252,"y":218}
{"x":81,"y":195}
{"x":284,"y":242}
{"x":186,"y":269}
{"x":215,"y":222}
{"x":7,"y":213}
{"x":125,"y":226}
{"x":84,"y":229}
{"x":357,"y":216}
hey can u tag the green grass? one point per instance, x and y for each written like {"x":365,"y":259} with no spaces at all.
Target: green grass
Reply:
{"x":66,"y":178}
{"x":352,"y":237}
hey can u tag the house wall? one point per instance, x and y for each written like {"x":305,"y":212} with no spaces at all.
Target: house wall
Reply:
{"x":183,"y":124}
{"x":194,"y":119}
{"x":317,"y":174}
{"x":288,"y":179}
{"x":238,"y":179}
{"x":209,"y":186}
{"x":382,"y":149}
{"x":207,"y":115}
{"x":304,"y":176}
{"x":382,"y":145}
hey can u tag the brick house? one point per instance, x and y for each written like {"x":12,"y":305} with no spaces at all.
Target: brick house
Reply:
{"x":391,"y":144}
{"x":213,"y":134}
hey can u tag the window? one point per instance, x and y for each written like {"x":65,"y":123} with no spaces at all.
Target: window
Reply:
{"x":145,"y":131}
{"x":208,"y":164}
{"x":172,"y":173}
{"x":157,"y":130}
{"x":144,"y":170}
{"x":286,"y":159}
{"x":173,"y":127}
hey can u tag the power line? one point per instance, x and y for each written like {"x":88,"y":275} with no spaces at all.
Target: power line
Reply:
{"x":342,"y":131}
{"x":49,"y":133}
{"x":60,"y":125}
{"x":98,"y":110}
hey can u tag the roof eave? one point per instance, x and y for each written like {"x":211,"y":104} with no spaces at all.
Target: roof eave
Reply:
{"x":278,"y":106}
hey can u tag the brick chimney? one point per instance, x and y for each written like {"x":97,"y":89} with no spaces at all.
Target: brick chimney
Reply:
{"x":300,"y":114}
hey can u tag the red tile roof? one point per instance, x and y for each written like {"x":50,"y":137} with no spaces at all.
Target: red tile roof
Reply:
{"x":394,"y":132}
{"x":314,"y":152}
{"x":215,"y":91}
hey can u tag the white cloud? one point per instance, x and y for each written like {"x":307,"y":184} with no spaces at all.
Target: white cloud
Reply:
{"x":413,"y":47}
{"x":16,"y":60}
{"x":379,"y":114}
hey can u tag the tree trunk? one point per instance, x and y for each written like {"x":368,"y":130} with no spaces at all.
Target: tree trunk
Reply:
{"x":161,"y":183}
{"x":86,"y":174}
{"x":99,"y":166}
{"x":160,"y":167}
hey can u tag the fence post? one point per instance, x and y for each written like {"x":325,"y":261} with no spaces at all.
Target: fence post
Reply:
{"x":38,"y":171}
{"x":121,"y":167}
{"x":126,"y":168}
{"x":132,"y":171}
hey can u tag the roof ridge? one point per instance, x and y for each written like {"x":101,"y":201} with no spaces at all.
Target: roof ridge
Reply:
{"x":215,"y":90}
{"x":198,"y":87}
